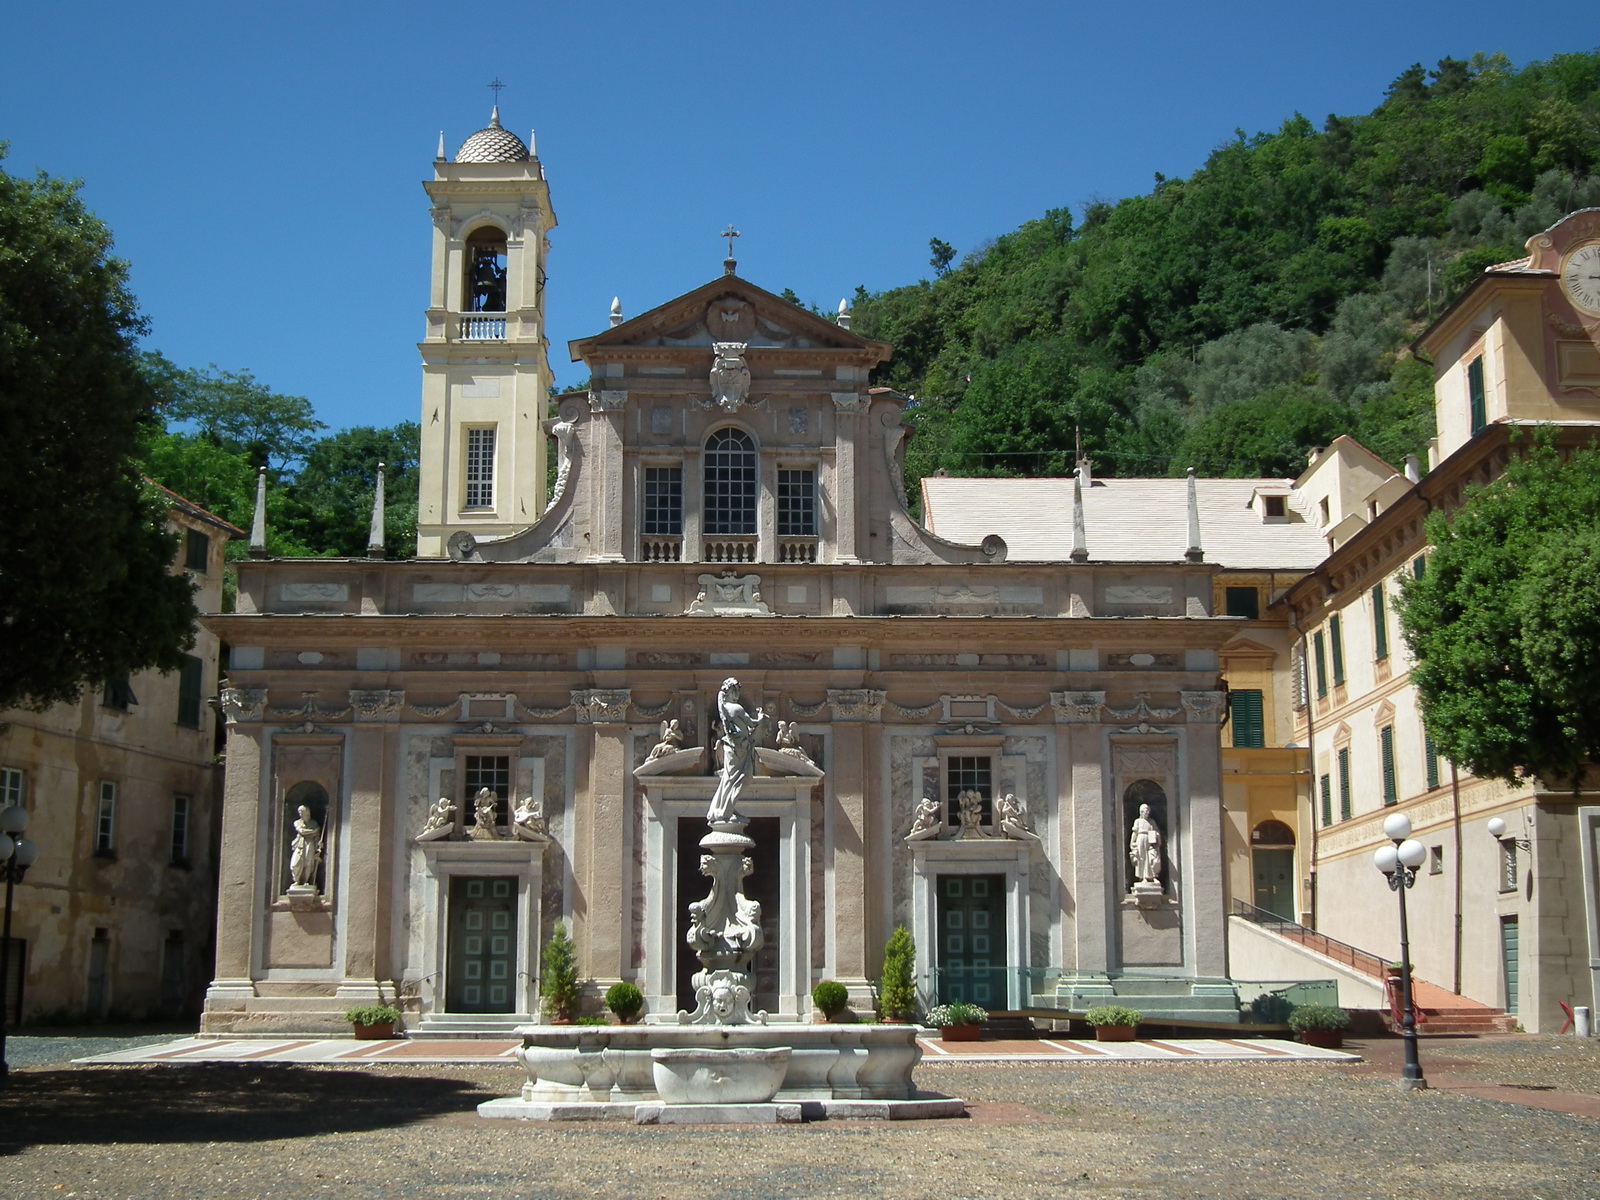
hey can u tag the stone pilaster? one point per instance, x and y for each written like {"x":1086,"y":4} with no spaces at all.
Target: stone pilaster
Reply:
{"x":366,"y":860}
{"x":238,"y":881}
{"x":603,"y":873}
{"x":856,"y":905}
{"x":1203,"y":867}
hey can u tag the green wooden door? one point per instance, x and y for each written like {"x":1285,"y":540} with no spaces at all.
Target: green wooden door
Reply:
{"x":972,"y":931}
{"x":1274,"y":881}
{"x":482,"y":965}
{"x":1510,"y":934}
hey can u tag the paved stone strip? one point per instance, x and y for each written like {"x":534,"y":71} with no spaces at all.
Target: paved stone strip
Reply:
{"x":462,"y":1050}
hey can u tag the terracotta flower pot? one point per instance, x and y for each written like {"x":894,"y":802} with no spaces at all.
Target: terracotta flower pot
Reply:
{"x":374,"y":1033}
{"x":1115,"y":1033}
{"x":1327,"y":1039}
{"x":960,"y":1033}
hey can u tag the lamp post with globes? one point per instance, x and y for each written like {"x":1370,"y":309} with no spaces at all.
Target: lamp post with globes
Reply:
{"x":16,"y":856}
{"x":1399,"y":862}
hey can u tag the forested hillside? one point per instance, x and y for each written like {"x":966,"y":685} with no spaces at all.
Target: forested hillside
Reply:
{"x":1231,"y":320}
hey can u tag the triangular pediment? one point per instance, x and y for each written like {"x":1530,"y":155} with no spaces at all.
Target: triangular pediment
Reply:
{"x":729,"y":309}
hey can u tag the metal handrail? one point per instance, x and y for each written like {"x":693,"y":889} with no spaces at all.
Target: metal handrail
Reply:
{"x":1341,"y":952}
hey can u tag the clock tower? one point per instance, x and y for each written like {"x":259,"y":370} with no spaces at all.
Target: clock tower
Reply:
{"x":485,"y":365}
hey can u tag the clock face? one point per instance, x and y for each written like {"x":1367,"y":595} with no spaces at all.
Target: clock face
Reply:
{"x":1580,"y":278}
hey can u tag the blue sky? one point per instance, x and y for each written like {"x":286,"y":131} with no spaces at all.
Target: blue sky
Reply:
{"x":261,"y":165}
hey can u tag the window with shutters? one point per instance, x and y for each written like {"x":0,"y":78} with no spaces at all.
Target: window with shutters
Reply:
{"x":1320,"y":657}
{"x":13,"y":787}
{"x":1380,"y":625}
{"x":1244,"y":706}
{"x":196,"y":550}
{"x":1346,"y":811}
{"x":1336,"y":646}
{"x":1326,"y":785}
{"x":190,"y":676}
{"x":1391,"y":788}
{"x":1477,"y":396}
{"x":1297,"y":669}
{"x":117,"y":695}
{"x":1419,"y":566}
{"x":1430,"y":758}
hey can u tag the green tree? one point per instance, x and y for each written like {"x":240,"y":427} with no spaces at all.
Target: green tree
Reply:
{"x":943,"y":252}
{"x":86,"y":593}
{"x":1505,"y":621}
{"x":558,"y":984}
{"x":329,"y":502}
{"x":897,"y":992}
{"x":236,"y":411}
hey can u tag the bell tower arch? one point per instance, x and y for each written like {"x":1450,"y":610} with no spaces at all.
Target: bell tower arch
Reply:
{"x":485,"y":360}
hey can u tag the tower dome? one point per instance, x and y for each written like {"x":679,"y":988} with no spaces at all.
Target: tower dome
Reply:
{"x":492,"y":144}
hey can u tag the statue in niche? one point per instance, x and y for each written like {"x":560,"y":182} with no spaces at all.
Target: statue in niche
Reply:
{"x":730,"y":377}
{"x":527,"y":820}
{"x":737,"y":742}
{"x":486,"y":280}
{"x":441,"y":821}
{"x":789,"y":741}
{"x":969,"y":807}
{"x":305,"y":851}
{"x":671,"y":740}
{"x":483,"y":809}
{"x":928,"y":823}
{"x":1144,"y":851}
{"x":1011,"y":815}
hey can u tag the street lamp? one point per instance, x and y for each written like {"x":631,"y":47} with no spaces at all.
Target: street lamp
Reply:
{"x":16,"y":856}
{"x":1399,"y":862}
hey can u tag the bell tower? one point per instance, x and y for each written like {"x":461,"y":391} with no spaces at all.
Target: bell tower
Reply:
{"x":485,"y":366}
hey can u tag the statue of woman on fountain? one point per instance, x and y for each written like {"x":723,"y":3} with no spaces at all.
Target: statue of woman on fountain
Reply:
{"x":740,"y":731}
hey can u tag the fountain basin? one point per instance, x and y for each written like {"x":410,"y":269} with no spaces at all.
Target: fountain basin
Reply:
{"x":695,"y":1076}
{"x":581,"y":1064}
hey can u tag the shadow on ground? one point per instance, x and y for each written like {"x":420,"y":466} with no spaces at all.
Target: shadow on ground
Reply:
{"x":216,"y":1102}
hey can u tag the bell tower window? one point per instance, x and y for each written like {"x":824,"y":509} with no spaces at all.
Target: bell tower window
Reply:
{"x":730,"y":483}
{"x":480,"y":467}
{"x":485,"y":284}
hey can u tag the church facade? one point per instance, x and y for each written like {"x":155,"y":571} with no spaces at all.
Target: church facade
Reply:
{"x":433,"y":762}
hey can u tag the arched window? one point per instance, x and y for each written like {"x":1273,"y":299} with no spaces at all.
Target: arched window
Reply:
{"x":730,"y":483}
{"x":484,"y":288}
{"x":1272,"y":833}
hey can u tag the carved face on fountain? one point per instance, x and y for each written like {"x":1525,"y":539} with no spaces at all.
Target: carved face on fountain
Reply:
{"x":724,"y":998}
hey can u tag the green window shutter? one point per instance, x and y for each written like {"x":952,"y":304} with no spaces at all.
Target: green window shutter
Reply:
{"x":1336,"y":642}
{"x":1345,"y":809}
{"x":1475,"y":390}
{"x":1322,"y":664}
{"x":1249,"y":729}
{"x":189,"y":691}
{"x":1380,"y":624}
{"x":1430,"y":755}
{"x":1391,"y":790}
{"x":1419,"y":566}
{"x":1327,"y":800}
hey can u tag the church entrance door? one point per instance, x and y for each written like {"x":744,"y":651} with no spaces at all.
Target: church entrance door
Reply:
{"x":481,"y":968}
{"x":972,"y":931}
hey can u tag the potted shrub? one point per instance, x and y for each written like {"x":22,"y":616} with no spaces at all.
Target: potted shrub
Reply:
{"x":373,"y":1021}
{"x":559,"y":986}
{"x":957,"y":1022}
{"x":1113,"y":1022}
{"x":830,"y":997}
{"x":1320,"y":1024}
{"x":897,"y":995}
{"x":625,"y":1000}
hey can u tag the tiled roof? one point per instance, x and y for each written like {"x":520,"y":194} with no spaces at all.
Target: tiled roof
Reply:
{"x":1125,"y":520}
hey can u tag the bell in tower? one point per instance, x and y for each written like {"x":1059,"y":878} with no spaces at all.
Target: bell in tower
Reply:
{"x":485,"y":361}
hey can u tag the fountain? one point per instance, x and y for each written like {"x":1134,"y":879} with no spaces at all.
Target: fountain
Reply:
{"x":722,"y":1061}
